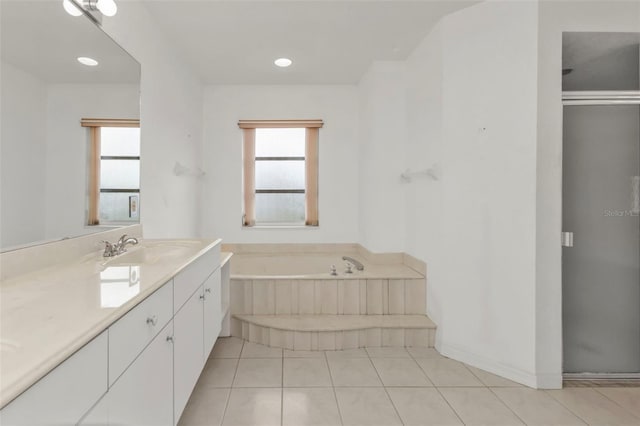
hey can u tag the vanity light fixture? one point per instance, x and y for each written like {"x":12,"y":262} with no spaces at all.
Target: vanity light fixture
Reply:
{"x":76,"y":7}
{"x":283,"y":62}
{"x":90,"y":62}
{"x":107,"y":7}
{"x":71,"y":8}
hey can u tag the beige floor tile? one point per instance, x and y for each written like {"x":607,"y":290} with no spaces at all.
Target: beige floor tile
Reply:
{"x":536,"y":407}
{"x":479,"y":406}
{"x":348,"y":353}
{"x":227,"y":347}
{"x":306,"y":372}
{"x":628,"y":398}
{"x":254,"y":407}
{"x":424,"y":353}
{"x":219,"y":372}
{"x":400,"y":372}
{"x":254,"y":350}
{"x":388,"y":353}
{"x":258,"y":373}
{"x":205,"y":407}
{"x":353,"y":372}
{"x":366,"y":406}
{"x":303,"y":354}
{"x":492,"y":380}
{"x":593,"y":407}
{"x":422,"y":406}
{"x":309,"y":407}
{"x":447,"y":372}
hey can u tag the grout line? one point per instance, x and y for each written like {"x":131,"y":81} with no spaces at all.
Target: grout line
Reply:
{"x":235,"y":373}
{"x":506,"y":405}
{"x":614,"y":401}
{"x":566,"y":407}
{"x":385,"y":389}
{"x":438,"y":390}
{"x":333,"y":388}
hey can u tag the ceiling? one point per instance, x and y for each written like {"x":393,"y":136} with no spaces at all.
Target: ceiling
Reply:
{"x":330,"y":42}
{"x":40,"y":38}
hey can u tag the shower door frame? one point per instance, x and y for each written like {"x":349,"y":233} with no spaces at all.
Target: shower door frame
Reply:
{"x":599,"y":97}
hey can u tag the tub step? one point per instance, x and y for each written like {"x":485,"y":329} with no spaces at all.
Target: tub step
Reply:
{"x":335,"y":332}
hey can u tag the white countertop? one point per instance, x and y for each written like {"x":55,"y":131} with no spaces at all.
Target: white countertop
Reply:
{"x":48,"y":314}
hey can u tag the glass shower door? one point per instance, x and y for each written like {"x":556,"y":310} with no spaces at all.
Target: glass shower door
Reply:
{"x":601,"y":271}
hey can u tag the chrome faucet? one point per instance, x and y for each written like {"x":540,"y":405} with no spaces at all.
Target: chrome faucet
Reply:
{"x":111,"y":250}
{"x":123,"y":241}
{"x":359,"y":266}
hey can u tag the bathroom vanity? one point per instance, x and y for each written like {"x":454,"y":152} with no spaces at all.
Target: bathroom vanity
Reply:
{"x":111,"y":341}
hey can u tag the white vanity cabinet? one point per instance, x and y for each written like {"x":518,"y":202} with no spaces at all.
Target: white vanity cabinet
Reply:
{"x":197,"y":323}
{"x":142,"y":369}
{"x":188,"y":349}
{"x":212,"y":311}
{"x":143,"y":395}
{"x":64,"y":395}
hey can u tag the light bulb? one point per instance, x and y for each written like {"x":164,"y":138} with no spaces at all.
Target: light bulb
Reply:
{"x":283,"y":62}
{"x":90,"y":62}
{"x":107,"y":7}
{"x":71,"y":8}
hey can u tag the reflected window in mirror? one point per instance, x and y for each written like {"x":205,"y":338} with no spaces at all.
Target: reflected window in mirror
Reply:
{"x":114,"y":171}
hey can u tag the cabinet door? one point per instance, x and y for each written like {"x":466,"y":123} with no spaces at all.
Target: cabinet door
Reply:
{"x":64,"y":395}
{"x":212,"y":311}
{"x":143,"y":395}
{"x":188,"y":350}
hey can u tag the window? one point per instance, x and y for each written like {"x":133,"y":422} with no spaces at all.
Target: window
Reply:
{"x":114,"y":171}
{"x":280,"y":172}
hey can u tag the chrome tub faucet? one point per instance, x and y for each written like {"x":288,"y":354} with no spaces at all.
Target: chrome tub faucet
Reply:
{"x":359,"y":266}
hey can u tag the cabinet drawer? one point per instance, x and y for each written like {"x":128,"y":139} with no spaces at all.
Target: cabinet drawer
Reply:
{"x":64,"y":395}
{"x":192,"y":277}
{"x":131,"y":333}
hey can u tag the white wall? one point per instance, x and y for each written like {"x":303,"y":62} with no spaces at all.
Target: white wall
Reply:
{"x":67,"y":143}
{"x":22,"y":156}
{"x":383,"y":134}
{"x":338,"y":161}
{"x":556,"y":17}
{"x":479,"y":236}
{"x":423,"y":223}
{"x":171,"y":124}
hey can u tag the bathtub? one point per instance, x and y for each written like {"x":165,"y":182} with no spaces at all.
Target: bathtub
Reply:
{"x":315,"y":266}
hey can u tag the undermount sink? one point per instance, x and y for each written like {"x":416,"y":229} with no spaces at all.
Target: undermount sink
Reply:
{"x":7,"y":345}
{"x":152,"y":252}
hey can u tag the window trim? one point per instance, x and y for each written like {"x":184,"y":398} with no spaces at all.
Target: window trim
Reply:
{"x":249,"y":161}
{"x":94,"y":125}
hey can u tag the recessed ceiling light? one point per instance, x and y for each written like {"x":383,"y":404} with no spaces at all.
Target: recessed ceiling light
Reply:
{"x":283,"y":62}
{"x":90,"y":62}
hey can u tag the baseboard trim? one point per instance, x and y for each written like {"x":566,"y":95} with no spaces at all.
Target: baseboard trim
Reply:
{"x":536,"y":381}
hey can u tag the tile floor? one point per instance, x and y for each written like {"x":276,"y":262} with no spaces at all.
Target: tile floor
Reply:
{"x":248,"y":384}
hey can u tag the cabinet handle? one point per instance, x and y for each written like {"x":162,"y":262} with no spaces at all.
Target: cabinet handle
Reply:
{"x":170,"y":339}
{"x":208,"y":290}
{"x":202,"y":297}
{"x":152,"y":320}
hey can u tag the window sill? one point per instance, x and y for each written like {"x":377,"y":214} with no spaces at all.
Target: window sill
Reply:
{"x":280,"y":227}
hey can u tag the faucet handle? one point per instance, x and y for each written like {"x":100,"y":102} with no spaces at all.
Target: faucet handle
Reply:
{"x":333,"y":270}
{"x":108,"y":248}
{"x":349,"y":268}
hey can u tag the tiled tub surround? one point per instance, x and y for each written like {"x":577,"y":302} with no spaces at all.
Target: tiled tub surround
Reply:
{"x":50,"y":311}
{"x":273,"y":301}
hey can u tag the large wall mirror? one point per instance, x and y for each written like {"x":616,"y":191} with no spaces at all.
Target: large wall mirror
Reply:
{"x":45,"y":152}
